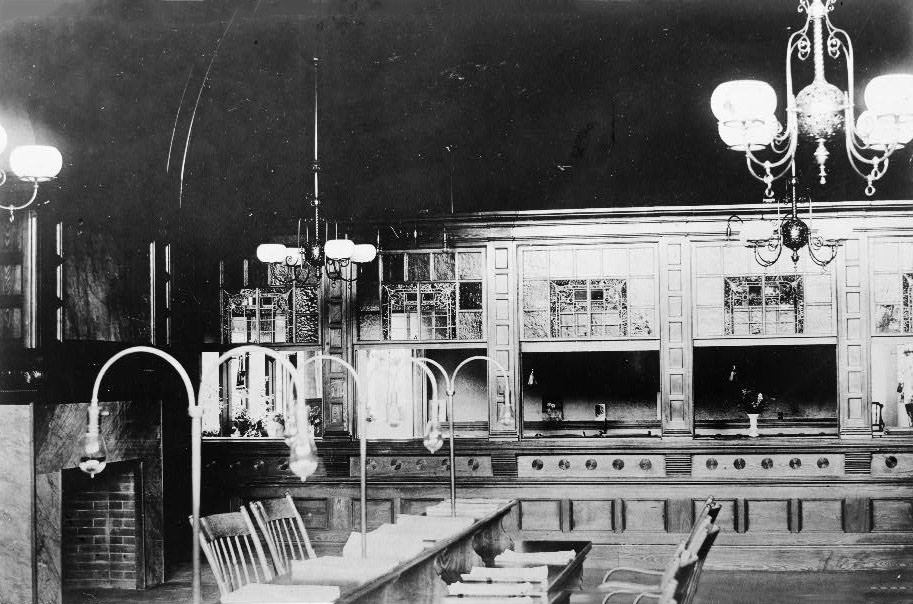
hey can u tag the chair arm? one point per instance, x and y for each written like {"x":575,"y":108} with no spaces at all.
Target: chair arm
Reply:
{"x":646,"y":595}
{"x":630,"y":592}
{"x":652,"y":573}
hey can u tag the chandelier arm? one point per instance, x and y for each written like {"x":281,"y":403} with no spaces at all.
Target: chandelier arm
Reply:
{"x":752,"y":160}
{"x":14,"y":207}
{"x":766,"y":262}
{"x":817,"y":243}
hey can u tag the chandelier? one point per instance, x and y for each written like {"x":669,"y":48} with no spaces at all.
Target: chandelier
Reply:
{"x":768,"y":239}
{"x":33,"y":164}
{"x":745,"y":109}
{"x":305,"y":263}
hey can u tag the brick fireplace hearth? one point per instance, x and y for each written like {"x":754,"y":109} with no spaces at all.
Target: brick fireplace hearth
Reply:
{"x":102,"y":528}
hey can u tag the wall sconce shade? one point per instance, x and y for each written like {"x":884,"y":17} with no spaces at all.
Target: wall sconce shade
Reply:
{"x":36,"y":162}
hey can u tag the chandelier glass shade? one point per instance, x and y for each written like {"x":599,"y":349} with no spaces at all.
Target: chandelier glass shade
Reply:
{"x":745,"y":109}
{"x":32,"y":164}
{"x":332,"y":257}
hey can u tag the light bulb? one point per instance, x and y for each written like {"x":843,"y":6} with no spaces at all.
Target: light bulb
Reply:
{"x":93,"y":453}
{"x":303,"y":458}
{"x":507,"y":415}
{"x":433,"y":439}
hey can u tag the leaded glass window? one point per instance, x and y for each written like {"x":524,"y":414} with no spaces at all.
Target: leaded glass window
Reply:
{"x":423,"y":295}
{"x":764,"y":305}
{"x":595,"y":292}
{"x":271,"y":315}
{"x":583,"y":308}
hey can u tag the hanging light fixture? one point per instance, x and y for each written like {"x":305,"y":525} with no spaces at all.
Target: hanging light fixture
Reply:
{"x":332,"y":257}
{"x":745,"y":109}
{"x":33,"y":164}
{"x":768,"y":238}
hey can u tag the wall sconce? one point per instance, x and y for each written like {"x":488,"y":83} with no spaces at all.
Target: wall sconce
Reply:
{"x":93,"y":452}
{"x":33,"y":164}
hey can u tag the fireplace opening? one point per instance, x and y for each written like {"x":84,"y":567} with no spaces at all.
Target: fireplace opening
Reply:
{"x":101,"y":541}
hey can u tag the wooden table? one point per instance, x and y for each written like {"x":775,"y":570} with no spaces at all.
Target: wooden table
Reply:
{"x":424,"y":578}
{"x":563,"y":579}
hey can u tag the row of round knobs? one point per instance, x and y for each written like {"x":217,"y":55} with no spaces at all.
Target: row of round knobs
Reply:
{"x":591,"y":464}
{"x":537,"y":464}
{"x":767,"y":463}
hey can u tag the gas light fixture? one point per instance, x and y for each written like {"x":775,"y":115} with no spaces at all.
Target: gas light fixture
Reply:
{"x":745,"y":109}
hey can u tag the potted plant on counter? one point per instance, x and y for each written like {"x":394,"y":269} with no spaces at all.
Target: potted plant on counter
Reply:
{"x":753,"y":404}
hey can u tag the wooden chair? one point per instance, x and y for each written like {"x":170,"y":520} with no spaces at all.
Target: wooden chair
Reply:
{"x":233,"y":551}
{"x":284,"y":531}
{"x":710,"y":509}
{"x":683,"y":570}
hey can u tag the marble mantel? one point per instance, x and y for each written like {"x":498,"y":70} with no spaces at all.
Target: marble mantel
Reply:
{"x":38,"y":442}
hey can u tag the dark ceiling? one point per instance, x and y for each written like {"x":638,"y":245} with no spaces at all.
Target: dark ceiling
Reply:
{"x":494,"y":105}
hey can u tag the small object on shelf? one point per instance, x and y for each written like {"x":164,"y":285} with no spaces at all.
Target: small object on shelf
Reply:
{"x":753,"y":425}
{"x":877,"y":417}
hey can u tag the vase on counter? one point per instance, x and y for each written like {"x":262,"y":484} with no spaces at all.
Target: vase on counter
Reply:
{"x":753,"y":425}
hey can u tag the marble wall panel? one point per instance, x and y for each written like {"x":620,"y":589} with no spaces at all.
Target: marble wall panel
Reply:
{"x":16,"y":509}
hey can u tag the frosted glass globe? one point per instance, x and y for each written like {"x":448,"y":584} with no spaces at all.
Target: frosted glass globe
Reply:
{"x":891,"y":93}
{"x":36,"y":162}
{"x":743,"y":100}
{"x":339,"y":249}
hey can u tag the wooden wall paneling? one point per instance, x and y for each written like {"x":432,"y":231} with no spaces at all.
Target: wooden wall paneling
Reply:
{"x":857,"y":515}
{"x":852,"y":340}
{"x":645,"y":515}
{"x":772,"y":516}
{"x":892,"y":515}
{"x":821,"y":515}
{"x":340,"y":510}
{"x":892,"y":464}
{"x":408,"y":505}
{"x":591,"y":515}
{"x":314,"y":512}
{"x":540,"y":515}
{"x":501,"y":314}
{"x":380,"y":511}
{"x":726,"y":519}
{"x":676,"y":337}
{"x":679,"y":515}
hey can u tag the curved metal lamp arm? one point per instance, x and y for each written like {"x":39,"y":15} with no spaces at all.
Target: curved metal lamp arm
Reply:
{"x":767,"y":262}
{"x":729,"y":224}
{"x":13,"y":207}
{"x":816,"y":243}
{"x":362,"y":411}
{"x":196,"y":415}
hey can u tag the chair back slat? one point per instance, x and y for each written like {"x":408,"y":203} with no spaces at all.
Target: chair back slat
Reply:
{"x":233,"y":550}
{"x":283,"y":529}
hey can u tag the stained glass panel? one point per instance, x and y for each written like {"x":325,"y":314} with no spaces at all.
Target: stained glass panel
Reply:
{"x":535,"y":295}
{"x":471,"y":295}
{"x":535,"y":325}
{"x":772,"y":305}
{"x":307,"y":316}
{"x":907,"y":302}
{"x":393,"y":267}
{"x":443,"y":264}
{"x":469,"y":326}
{"x":470,"y":265}
{"x":418,"y":266}
{"x":369,"y":326}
